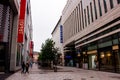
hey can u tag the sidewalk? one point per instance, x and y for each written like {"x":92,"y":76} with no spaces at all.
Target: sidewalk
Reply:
{"x":64,"y":73}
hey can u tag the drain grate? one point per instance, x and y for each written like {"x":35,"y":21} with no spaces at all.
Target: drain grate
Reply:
{"x":67,"y":79}
{"x":83,"y":78}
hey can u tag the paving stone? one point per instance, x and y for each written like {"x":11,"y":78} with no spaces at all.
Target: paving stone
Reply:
{"x":63,"y":73}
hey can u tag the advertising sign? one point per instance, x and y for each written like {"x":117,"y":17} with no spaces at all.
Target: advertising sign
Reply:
{"x":61,"y":34}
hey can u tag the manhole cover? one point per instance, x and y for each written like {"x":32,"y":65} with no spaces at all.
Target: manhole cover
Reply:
{"x":91,"y":77}
{"x":118,"y":77}
{"x":66,"y":71}
{"x":67,"y":79}
{"x":83,"y":78}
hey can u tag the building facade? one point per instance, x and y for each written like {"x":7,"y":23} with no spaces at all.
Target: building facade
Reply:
{"x":91,"y":33}
{"x":10,"y":50}
{"x":35,"y":56}
{"x":57,"y":37}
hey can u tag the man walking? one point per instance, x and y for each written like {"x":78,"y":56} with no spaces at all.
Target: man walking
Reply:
{"x":23,"y":67}
{"x":27,"y":67}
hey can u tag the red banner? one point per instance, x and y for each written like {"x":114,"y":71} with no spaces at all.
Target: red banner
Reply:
{"x":21,"y":21}
{"x":31,"y":48}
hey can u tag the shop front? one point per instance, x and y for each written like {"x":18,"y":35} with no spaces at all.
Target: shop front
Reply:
{"x":2,"y":57}
{"x":103,"y":54}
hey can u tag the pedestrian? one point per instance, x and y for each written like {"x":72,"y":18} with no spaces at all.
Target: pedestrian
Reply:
{"x":23,"y":67}
{"x":31,"y":64}
{"x":27,"y":67}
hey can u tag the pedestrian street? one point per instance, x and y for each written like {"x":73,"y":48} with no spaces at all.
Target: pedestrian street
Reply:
{"x":63,"y":73}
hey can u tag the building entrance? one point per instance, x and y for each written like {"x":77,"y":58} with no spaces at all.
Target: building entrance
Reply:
{"x":92,"y":56}
{"x":92,"y":63}
{"x":2,"y":58}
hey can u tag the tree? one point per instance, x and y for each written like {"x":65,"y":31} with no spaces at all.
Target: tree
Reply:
{"x":48,"y":52}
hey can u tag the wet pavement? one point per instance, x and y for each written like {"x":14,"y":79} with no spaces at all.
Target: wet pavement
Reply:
{"x":63,"y":73}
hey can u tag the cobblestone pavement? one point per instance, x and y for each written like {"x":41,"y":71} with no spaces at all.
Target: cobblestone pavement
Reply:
{"x":64,"y":73}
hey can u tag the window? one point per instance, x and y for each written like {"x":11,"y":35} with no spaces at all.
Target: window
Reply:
{"x":118,"y":1}
{"x":79,"y":16}
{"x":100,"y":8}
{"x":82,"y":13}
{"x":85,"y":17}
{"x":111,"y":4}
{"x":105,"y":5}
{"x":91,"y":11}
{"x":88,"y":15}
{"x":95,"y":9}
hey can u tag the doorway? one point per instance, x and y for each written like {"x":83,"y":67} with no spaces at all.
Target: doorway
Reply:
{"x":2,"y":58}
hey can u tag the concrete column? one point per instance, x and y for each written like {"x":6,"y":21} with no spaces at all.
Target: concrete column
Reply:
{"x":14,"y":44}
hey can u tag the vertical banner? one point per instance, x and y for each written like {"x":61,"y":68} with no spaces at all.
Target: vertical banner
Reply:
{"x":31,"y":48}
{"x":61,"y":34}
{"x":21,"y":21}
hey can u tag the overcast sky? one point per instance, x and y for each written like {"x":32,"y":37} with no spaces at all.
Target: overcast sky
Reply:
{"x":45,"y":15}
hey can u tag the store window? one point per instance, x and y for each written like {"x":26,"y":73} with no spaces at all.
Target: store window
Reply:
{"x":93,"y":59}
{"x":117,"y":60}
{"x":119,"y":37}
{"x":106,"y":61}
{"x":115,"y":39}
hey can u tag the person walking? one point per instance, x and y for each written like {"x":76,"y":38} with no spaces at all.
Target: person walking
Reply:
{"x":27,"y":67}
{"x":23,"y":67}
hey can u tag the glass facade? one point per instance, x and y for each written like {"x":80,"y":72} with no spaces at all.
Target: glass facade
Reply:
{"x":100,"y":47}
{"x":103,"y":54}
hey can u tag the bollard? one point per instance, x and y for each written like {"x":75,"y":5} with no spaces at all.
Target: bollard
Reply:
{"x":55,"y":68}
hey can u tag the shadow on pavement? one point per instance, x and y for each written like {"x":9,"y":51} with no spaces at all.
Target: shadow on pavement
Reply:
{"x":4,"y":76}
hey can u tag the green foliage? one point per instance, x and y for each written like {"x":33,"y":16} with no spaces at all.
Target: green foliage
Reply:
{"x":48,"y":51}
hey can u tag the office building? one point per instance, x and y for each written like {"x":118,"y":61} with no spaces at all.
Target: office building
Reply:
{"x":57,"y":37}
{"x":91,"y":34}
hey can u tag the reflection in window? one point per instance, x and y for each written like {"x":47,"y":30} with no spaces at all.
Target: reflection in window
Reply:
{"x":105,"y":5}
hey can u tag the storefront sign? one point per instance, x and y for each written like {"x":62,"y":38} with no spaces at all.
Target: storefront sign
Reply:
{"x":21,"y":21}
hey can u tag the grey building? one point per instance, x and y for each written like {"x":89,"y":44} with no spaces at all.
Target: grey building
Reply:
{"x":92,"y":34}
{"x":57,"y":37}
